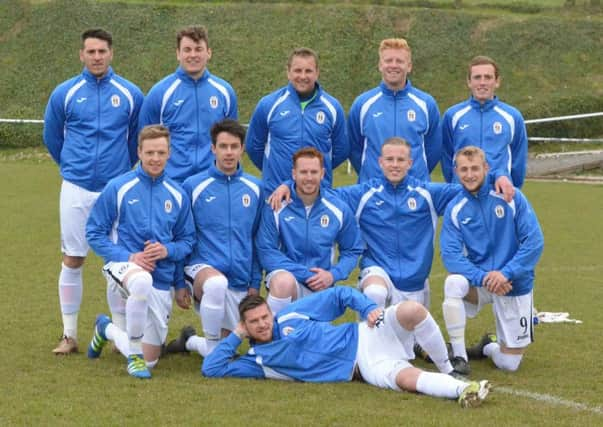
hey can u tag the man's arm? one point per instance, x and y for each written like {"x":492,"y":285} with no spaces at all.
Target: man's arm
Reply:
{"x":355,"y":137}
{"x":447,"y":161}
{"x":257,"y":135}
{"x":150,"y":111}
{"x":350,"y":246}
{"x":225,"y":362}
{"x":433,"y":137}
{"x":54,"y":125}
{"x":519,"y":152}
{"x":339,"y":138}
{"x":184,"y":233}
{"x":133,"y":126}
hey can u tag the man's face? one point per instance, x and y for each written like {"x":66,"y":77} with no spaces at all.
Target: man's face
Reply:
{"x":395,"y":162}
{"x":483,"y":82}
{"x":96,"y":55}
{"x":193,"y":56}
{"x":259,"y":323}
{"x":303,"y":74}
{"x":228,"y":150}
{"x":307,"y":174}
{"x":395,"y":65}
{"x":153,"y":154}
{"x":471,"y":172}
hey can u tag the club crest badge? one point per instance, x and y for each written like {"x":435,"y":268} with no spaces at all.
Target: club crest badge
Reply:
{"x":168,"y":206}
{"x":115,"y":101}
{"x":411,"y":115}
{"x":213,"y":102}
{"x":412,"y":203}
{"x":287,"y":330}
{"x":324,"y":221}
{"x":497,"y":128}
{"x":246,"y":200}
{"x":320,"y":117}
{"x":499,"y":211}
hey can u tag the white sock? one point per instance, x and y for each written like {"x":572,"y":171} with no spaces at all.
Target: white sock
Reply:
{"x":70,"y":298}
{"x":151,"y":364}
{"x":453,"y":310}
{"x":139,"y":286}
{"x":277,"y":304}
{"x":119,"y":338}
{"x":429,"y":337}
{"x":212,"y":306}
{"x":198,"y":344}
{"x":377,"y":293}
{"x":117,"y":305}
{"x":440,"y":385}
{"x":506,"y":362}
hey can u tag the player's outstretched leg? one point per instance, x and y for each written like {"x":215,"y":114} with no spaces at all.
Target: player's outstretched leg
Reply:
{"x":474,"y":394}
{"x":99,"y":339}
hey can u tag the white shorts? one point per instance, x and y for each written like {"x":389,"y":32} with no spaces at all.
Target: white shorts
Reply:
{"x":231,"y":303}
{"x":302,"y":291}
{"x":394,"y":295}
{"x":75,"y":204}
{"x":160,"y":302}
{"x":381,"y":353}
{"x":513,"y":316}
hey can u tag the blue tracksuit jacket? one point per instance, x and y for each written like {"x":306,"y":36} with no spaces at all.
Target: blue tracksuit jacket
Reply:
{"x":90,"y":128}
{"x":295,"y":241}
{"x":135,"y":208}
{"x":189,"y":108}
{"x":305,"y":346}
{"x":279,"y":127}
{"x":483,"y":233}
{"x":227,"y":210}
{"x":381,"y":113}
{"x":495,"y":127}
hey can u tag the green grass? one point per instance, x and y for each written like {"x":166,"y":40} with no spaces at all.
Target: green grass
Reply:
{"x":549,"y":59}
{"x":38,"y":388}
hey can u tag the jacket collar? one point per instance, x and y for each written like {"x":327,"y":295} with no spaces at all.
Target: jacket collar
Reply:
{"x":294,"y":94}
{"x":396,"y":93}
{"x":93,"y":79}
{"x":214,"y":172}
{"x":184,"y":76}
{"x":488,"y":105}
{"x":140,"y":173}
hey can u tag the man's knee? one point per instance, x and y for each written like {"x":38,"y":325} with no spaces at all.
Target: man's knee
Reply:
{"x":214,"y":289}
{"x":139,"y":284}
{"x":410,"y":314}
{"x":73,"y":261}
{"x":283,"y":285}
{"x":456,"y":286}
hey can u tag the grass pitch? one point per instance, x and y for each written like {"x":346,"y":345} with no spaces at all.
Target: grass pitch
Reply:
{"x":559,"y":381}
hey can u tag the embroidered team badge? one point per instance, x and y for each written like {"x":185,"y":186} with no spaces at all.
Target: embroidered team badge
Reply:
{"x":213,"y":102}
{"x":168,"y":206}
{"x":497,"y":128}
{"x":411,"y":115}
{"x":320,"y":117}
{"x":412,"y":203}
{"x":287,"y":330}
{"x":115,"y":101}
{"x":324,"y":221}
{"x":246,"y":200}
{"x":499,"y":211}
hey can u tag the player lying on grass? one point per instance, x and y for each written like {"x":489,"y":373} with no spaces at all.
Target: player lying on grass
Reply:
{"x":300,"y":343}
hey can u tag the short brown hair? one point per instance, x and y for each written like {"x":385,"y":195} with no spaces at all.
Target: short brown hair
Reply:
{"x":152,"y":132}
{"x":398,"y":43}
{"x":196,"y":32}
{"x":249,"y":303}
{"x":304,"y":52}
{"x":229,"y":126}
{"x":482,"y":60}
{"x":97,"y":33}
{"x":470,"y":152}
{"x":309,"y":152}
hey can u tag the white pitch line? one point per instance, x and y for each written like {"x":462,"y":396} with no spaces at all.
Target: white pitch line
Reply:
{"x":553,"y":400}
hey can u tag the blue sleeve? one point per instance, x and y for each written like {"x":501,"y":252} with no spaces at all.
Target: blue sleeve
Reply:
{"x":355,"y":136}
{"x":531,"y":240}
{"x":133,"y":126}
{"x":257,"y":135}
{"x":183,"y":233}
{"x":267,"y":244}
{"x":179,"y":282}
{"x":224,"y":361}
{"x":256,"y":268}
{"x":233,"y":113}
{"x":433,"y":138}
{"x":149,"y":112}
{"x":341,"y":145}
{"x":330,"y":304}
{"x":99,"y":225}
{"x":519,"y":153}
{"x":349,"y":245}
{"x":447,"y":148}
{"x":442,"y":194}
{"x":455,"y":262}
{"x":54,"y":124}
{"x":350,"y":194}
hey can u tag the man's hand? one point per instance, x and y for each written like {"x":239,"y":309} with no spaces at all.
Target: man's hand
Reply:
{"x":504,"y":186}
{"x":155,"y":251}
{"x":241,"y":330}
{"x":281,"y":193}
{"x":141,"y":260}
{"x":183,"y":298}
{"x":497,"y":283}
{"x":322,"y":279}
{"x":375,"y":317}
